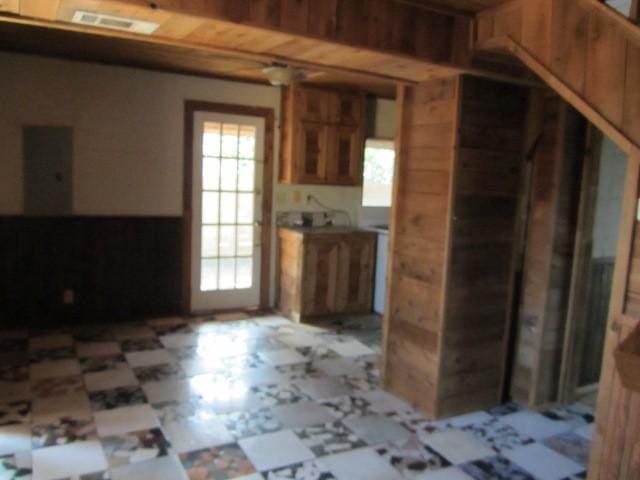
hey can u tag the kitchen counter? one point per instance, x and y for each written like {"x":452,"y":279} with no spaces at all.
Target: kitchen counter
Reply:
{"x":325,"y":271}
{"x":381,"y":229}
{"x":328,"y":230}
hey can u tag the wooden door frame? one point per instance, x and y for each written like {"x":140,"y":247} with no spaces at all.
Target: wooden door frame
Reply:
{"x":574,"y":336}
{"x":190,"y":108}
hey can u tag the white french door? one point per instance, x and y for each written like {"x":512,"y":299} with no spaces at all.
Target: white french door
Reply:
{"x":228,"y":161}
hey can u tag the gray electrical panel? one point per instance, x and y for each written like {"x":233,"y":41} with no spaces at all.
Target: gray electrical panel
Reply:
{"x":48,"y":159}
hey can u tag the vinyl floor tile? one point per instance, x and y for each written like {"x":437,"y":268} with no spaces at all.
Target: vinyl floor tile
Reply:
{"x":329,"y":438}
{"x":275,"y":450}
{"x":163,"y":468}
{"x":62,"y":431}
{"x":543,"y":463}
{"x":69,"y":460}
{"x":311,"y":470}
{"x":15,"y":412}
{"x":302,"y":414}
{"x":134,"y":447}
{"x":194,"y":434}
{"x":118,"y":421}
{"x":252,"y":422}
{"x":360,"y":464}
{"x":222,"y":462}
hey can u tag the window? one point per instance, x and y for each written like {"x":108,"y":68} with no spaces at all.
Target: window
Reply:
{"x":379,"y":156}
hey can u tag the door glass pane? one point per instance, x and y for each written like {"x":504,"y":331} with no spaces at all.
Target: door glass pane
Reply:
{"x":230,"y":140}
{"x":244,"y":272}
{"x":210,"y":208}
{"x":246,"y":175}
{"x":209,"y":275}
{"x":228,"y":210}
{"x":227,"y":241}
{"x":211,"y":140}
{"x":227,"y":273}
{"x":245,"y":241}
{"x":210,"y":241}
{"x":247,"y":144}
{"x":229,"y":175}
{"x":245,"y":208}
{"x":210,"y":173}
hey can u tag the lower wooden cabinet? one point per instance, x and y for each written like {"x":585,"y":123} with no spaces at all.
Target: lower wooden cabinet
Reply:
{"x":323,"y":272}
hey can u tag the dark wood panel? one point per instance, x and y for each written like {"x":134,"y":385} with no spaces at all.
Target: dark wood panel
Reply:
{"x":119,"y":268}
{"x":600,"y":281}
{"x":480,"y":272}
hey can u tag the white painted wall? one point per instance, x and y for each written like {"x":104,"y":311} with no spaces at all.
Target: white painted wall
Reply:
{"x":128,"y":129}
{"x":128,"y":134}
{"x":613,"y":164}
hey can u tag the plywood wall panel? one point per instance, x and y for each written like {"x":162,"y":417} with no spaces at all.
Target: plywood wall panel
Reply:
{"x":607,"y":60}
{"x":569,"y":35}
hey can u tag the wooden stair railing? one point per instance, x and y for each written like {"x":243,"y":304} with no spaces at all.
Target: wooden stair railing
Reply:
{"x":584,"y":50}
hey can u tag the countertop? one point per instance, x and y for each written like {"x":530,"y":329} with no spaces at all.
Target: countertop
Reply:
{"x":327,"y":230}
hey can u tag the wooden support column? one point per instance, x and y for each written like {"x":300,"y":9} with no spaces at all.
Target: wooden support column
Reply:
{"x":419,"y":251}
{"x":453,"y":227}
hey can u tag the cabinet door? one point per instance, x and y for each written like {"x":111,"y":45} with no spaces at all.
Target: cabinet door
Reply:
{"x":355,"y":274}
{"x":320,"y":274}
{"x":311,"y":157}
{"x":313,"y":104}
{"x":347,"y":109}
{"x":346,"y":156}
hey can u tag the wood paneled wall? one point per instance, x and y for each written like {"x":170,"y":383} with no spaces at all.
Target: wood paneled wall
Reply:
{"x":486,"y":187}
{"x":584,"y":50}
{"x":427,"y":125}
{"x":119,"y":267}
{"x":453,"y":225}
{"x":548,"y":263}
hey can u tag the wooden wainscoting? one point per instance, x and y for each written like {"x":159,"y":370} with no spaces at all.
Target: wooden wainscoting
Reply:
{"x":118,"y":267}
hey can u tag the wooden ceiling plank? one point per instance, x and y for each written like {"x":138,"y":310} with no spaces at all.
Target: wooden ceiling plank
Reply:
{"x":44,"y":9}
{"x":10,"y":6}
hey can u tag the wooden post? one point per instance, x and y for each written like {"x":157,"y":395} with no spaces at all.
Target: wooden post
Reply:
{"x":577,"y":310}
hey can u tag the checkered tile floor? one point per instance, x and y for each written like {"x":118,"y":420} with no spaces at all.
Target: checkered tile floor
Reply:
{"x":250,"y":398}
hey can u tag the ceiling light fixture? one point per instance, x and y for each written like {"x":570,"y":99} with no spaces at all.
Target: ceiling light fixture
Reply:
{"x":283,"y":75}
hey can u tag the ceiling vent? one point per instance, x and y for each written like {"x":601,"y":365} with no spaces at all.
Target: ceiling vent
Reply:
{"x":117,"y":23}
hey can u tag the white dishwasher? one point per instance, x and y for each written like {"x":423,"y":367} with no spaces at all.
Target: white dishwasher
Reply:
{"x":379,"y":293}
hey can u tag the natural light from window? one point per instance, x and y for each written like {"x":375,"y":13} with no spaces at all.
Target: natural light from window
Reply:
{"x":379,"y":156}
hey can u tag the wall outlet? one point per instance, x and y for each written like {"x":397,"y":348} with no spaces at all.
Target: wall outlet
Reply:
{"x":68,"y":297}
{"x":297,"y":197}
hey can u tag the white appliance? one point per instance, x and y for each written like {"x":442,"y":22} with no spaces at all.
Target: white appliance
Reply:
{"x":380,"y":286}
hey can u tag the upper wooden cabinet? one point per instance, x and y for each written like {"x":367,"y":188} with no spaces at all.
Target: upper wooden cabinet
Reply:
{"x":322,"y":136}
